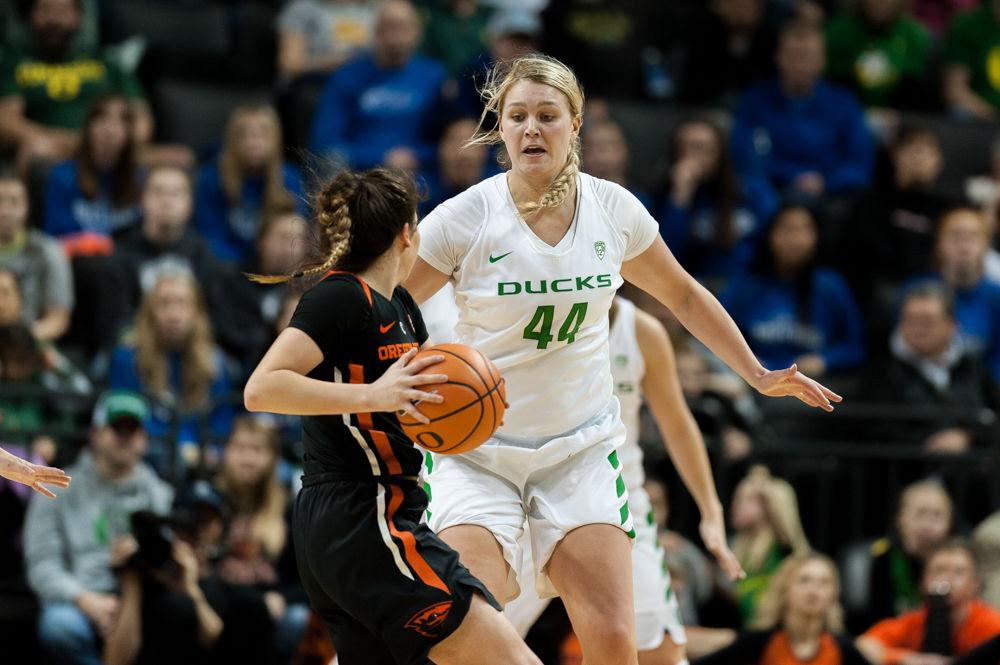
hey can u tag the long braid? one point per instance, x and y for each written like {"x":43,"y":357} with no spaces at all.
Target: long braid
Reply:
{"x":560,"y":187}
{"x":334,"y":215}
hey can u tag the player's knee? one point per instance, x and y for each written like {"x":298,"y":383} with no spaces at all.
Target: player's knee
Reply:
{"x":613,"y":638}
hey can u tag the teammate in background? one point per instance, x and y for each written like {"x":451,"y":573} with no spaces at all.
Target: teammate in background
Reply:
{"x":34,"y":476}
{"x":535,"y":256}
{"x":389,"y":590}
{"x":643,"y":367}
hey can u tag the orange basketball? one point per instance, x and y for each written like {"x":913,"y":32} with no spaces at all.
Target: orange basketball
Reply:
{"x":473,"y":403}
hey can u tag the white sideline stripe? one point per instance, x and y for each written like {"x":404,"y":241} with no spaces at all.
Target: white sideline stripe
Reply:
{"x":386,"y":537}
{"x":372,"y":460}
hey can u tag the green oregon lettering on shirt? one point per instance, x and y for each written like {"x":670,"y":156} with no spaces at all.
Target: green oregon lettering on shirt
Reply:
{"x":559,"y":285}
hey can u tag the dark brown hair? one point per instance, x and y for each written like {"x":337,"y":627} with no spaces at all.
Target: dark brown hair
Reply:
{"x":125,"y":173}
{"x":360,"y":214}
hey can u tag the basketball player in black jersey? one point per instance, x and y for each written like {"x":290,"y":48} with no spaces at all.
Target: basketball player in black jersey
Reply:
{"x":389,"y":590}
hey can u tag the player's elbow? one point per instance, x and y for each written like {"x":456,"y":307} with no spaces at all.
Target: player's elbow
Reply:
{"x":254,"y":394}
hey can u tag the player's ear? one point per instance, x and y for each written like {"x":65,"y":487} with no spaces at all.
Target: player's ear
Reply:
{"x":407,"y":233}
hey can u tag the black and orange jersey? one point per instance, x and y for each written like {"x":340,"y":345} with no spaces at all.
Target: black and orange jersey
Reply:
{"x":361,"y":333}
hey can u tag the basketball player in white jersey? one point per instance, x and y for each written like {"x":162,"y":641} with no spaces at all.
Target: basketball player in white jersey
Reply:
{"x":643,"y":366}
{"x":535,"y":256}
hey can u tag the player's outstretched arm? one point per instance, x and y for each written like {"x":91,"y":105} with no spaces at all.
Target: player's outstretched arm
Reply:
{"x":662,"y":391}
{"x":280,"y":384}
{"x":34,"y":476}
{"x":658,"y":273}
{"x":424,"y":281}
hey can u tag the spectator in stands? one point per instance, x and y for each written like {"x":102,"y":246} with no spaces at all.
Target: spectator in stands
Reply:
{"x":510,"y":33}
{"x":45,"y":282}
{"x":165,"y":241}
{"x":71,"y":545}
{"x":792,"y":310}
{"x":171,"y":357}
{"x":258,"y":534}
{"x":720,"y":414}
{"x":798,"y":133}
{"x":608,"y":43}
{"x":881,"y":52}
{"x":454,"y":31}
{"x":708,"y":217}
{"x":937,"y":14}
{"x":459,"y":166}
{"x":382,"y":107}
{"x":97,"y":192}
{"x":318,"y":36}
{"x":986,"y":545}
{"x":923,"y":522}
{"x":960,"y":251}
{"x":282,"y":245}
{"x":799,"y":620}
{"x":766,"y":529}
{"x":971,"y":88}
{"x":248,"y":179}
{"x":46,"y":89}
{"x":932,"y":370}
{"x":605,"y":156}
{"x":951,"y":622}
{"x":890,"y":236}
{"x":730,"y":49}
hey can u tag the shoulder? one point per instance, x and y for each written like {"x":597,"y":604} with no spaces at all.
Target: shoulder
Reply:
{"x":986,"y":614}
{"x":610,"y":195}
{"x":64,"y":173}
{"x":648,"y":327}
{"x":835,"y":97}
{"x":427,"y":66}
{"x":470,"y":207}
{"x":45,"y":244}
{"x":342,"y":289}
{"x":758,"y":94}
{"x":829,"y":279}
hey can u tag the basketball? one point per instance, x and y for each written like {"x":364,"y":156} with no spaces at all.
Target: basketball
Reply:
{"x":473,"y":405}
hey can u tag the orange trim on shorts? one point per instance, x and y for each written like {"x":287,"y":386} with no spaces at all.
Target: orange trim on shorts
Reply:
{"x":364,"y":285}
{"x":417,"y":562}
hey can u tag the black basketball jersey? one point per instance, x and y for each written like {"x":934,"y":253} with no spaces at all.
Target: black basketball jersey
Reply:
{"x":361,"y":333}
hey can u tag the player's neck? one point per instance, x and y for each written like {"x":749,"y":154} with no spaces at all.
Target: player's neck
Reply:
{"x":382,"y":276}
{"x":524,"y":190}
{"x":803,"y":630}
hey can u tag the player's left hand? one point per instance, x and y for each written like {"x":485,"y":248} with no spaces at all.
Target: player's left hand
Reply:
{"x":34,"y":476}
{"x":793,"y":383}
{"x":713,"y":534}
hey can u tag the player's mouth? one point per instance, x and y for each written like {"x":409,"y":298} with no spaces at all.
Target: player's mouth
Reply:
{"x":534,"y":150}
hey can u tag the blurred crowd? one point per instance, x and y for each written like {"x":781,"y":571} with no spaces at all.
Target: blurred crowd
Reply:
{"x":830,"y":169}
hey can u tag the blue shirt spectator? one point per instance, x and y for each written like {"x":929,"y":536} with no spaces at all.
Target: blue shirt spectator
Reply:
{"x":458,"y":166}
{"x":798,"y":133}
{"x":247,"y":180}
{"x":98,"y":191}
{"x":792,"y":311}
{"x":708,"y":217}
{"x":383,"y":106}
{"x":960,"y":256}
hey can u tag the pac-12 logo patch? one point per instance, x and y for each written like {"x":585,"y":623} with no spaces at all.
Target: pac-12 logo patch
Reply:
{"x":427,"y":621}
{"x":599,"y":248}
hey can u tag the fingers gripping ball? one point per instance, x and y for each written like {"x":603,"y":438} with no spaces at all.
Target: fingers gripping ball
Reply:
{"x":473,"y":406}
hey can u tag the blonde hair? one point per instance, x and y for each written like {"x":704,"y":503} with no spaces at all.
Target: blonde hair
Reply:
{"x":546,"y":71}
{"x":774,"y":603}
{"x":232,"y":171}
{"x":783,"y":523}
{"x":265,"y":501}
{"x":198,"y":368}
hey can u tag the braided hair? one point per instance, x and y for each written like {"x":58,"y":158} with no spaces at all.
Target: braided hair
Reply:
{"x":359,"y":214}
{"x":547,"y":71}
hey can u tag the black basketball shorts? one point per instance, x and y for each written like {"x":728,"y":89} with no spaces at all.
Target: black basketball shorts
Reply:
{"x":387,"y":587}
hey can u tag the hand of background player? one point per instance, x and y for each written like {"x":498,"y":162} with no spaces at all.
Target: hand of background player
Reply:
{"x":396,"y":390}
{"x":793,"y":383}
{"x":713,"y":534}
{"x":34,"y":476}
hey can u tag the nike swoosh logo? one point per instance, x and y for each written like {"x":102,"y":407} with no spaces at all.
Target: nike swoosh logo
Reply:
{"x":494,"y":259}
{"x":384,"y":329}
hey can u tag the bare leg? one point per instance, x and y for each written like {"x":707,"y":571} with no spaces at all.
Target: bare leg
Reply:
{"x":484,"y":638}
{"x":480,"y":552}
{"x":668,"y":653}
{"x":591,"y":568}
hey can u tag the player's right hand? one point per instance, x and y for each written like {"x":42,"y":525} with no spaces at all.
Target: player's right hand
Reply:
{"x":399,"y":389}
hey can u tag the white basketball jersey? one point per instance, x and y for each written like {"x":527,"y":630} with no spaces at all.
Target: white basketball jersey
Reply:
{"x":440,"y":316}
{"x":539,"y":312}
{"x":627,"y":370}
